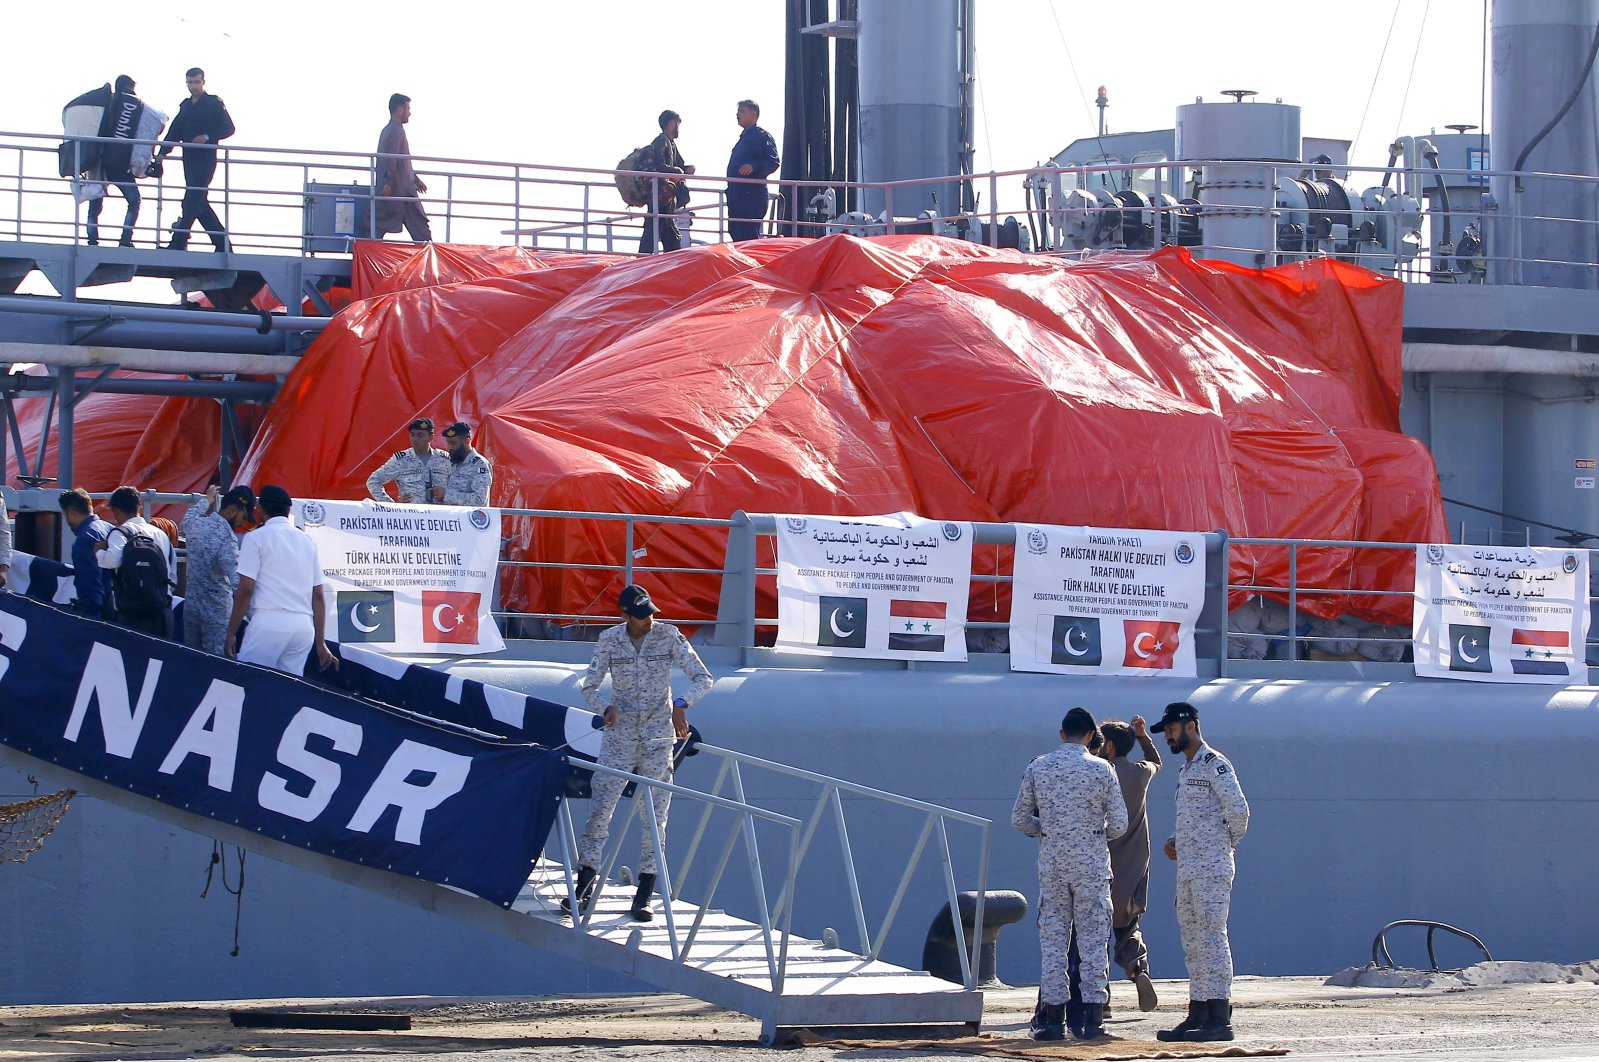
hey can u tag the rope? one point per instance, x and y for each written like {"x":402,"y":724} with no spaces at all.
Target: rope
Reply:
{"x":24,"y":826}
{"x":1375,"y":76}
{"x":219,"y":851}
{"x":1421,"y":35}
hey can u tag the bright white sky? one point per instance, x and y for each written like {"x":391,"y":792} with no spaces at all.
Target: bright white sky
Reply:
{"x":580,"y":83}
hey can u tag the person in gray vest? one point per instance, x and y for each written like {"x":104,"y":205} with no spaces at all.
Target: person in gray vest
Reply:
{"x":415,"y":470}
{"x":1212,"y":816}
{"x":641,"y":723}
{"x":211,"y":538}
{"x":469,"y":477}
{"x":1129,"y":853}
{"x":1069,"y":799}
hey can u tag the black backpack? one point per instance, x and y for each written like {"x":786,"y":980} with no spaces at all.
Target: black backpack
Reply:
{"x":139,"y":587}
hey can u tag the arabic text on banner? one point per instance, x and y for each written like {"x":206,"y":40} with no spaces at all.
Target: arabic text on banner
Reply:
{"x":273,"y":753}
{"x":1501,"y":613}
{"x":407,"y":578}
{"x":1108,"y":601}
{"x":892,"y":587}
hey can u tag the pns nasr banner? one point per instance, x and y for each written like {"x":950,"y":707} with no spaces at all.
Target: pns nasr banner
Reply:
{"x":891,"y":587}
{"x":272,"y":753}
{"x":1106,"y":601}
{"x":1501,"y":613}
{"x":407,"y":578}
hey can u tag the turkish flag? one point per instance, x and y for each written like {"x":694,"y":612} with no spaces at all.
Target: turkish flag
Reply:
{"x":450,"y":616}
{"x":1150,"y":643}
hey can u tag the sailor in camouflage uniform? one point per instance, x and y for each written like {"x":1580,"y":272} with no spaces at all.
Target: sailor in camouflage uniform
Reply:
{"x":641,"y":723}
{"x":1212,"y":816}
{"x":5,"y":547}
{"x":1072,"y":802}
{"x":416,"y":470}
{"x":211,"y":548}
{"x":469,"y":477}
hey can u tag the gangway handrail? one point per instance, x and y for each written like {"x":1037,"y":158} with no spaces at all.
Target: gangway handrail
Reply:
{"x":829,"y":798}
{"x":773,"y":919}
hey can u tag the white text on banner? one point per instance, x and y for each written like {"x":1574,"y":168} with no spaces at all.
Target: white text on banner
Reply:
{"x":1501,"y":613}
{"x":1107,"y":601}
{"x":407,"y":578}
{"x":892,"y":587}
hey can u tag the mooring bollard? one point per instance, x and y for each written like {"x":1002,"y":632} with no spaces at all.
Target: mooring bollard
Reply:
{"x":939,"y":955}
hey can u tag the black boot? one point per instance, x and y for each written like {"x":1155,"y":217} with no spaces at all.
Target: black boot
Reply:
{"x":1074,"y":1017}
{"x":1218,"y":1024}
{"x":641,"y":899}
{"x":1093,"y":1022}
{"x":585,"y":889}
{"x":1049,"y":1022}
{"x":1197,"y":1013}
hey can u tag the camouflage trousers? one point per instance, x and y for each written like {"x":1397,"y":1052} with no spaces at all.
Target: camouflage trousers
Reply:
{"x":1202,"y":905}
{"x":205,"y":623}
{"x":628,"y":747}
{"x":1062,"y":905}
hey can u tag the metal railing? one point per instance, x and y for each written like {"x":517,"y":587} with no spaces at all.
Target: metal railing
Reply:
{"x":1394,"y":221}
{"x":1219,"y":637}
{"x":772,"y":917}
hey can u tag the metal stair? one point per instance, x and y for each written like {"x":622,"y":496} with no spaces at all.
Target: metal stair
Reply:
{"x":758,"y":967}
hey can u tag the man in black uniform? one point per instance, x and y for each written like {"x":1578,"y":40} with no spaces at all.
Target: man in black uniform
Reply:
{"x":202,"y":121}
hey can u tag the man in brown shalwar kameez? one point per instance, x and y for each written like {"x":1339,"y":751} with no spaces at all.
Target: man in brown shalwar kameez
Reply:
{"x":397,"y":183}
{"x":1129,"y":853}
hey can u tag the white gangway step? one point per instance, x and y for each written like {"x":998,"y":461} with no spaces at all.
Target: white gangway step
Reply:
{"x":727,"y":961}
{"x":729,"y":965}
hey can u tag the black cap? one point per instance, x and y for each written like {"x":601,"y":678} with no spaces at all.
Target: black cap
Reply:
{"x":422,"y":424}
{"x":457,"y":430}
{"x":635,"y":601}
{"x":1078,"y":722}
{"x":241,"y":496}
{"x":667,"y":117}
{"x":275,"y":497}
{"x":1176,"y":712}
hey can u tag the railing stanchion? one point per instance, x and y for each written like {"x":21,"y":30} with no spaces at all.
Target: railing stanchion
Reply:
{"x":848,"y":855}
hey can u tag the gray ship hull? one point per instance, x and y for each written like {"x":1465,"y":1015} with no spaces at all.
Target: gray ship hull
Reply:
{"x":1375,"y":797}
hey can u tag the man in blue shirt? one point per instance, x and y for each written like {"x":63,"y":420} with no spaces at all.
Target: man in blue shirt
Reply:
{"x":88,"y":577}
{"x":754,"y":155}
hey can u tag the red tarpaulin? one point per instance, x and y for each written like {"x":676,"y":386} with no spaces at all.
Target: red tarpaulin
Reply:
{"x":164,"y":444}
{"x":850,"y":377}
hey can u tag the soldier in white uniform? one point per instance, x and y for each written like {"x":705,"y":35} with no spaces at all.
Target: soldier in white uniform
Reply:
{"x":469,"y":475}
{"x":641,"y":723}
{"x":416,"y":471}
{"x":1212,"y":816}
{"x":1072,"y":802}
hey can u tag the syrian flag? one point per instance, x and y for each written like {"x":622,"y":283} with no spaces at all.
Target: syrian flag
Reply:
{"x":916,"y":625}
{"x":1539,"y":652}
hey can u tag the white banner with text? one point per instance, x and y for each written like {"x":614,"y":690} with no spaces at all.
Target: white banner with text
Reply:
{"x":892,"y":587}
{"x":1107,"y":601}
{"x":1501,"y":613}
{"x":407,"y":578}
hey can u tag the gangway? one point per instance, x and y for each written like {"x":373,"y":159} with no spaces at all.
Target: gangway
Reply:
{"x":754,"y":965}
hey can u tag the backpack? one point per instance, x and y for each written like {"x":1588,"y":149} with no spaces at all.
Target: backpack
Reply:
{"x":139,"y":586}
{"x":635,"y":190}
